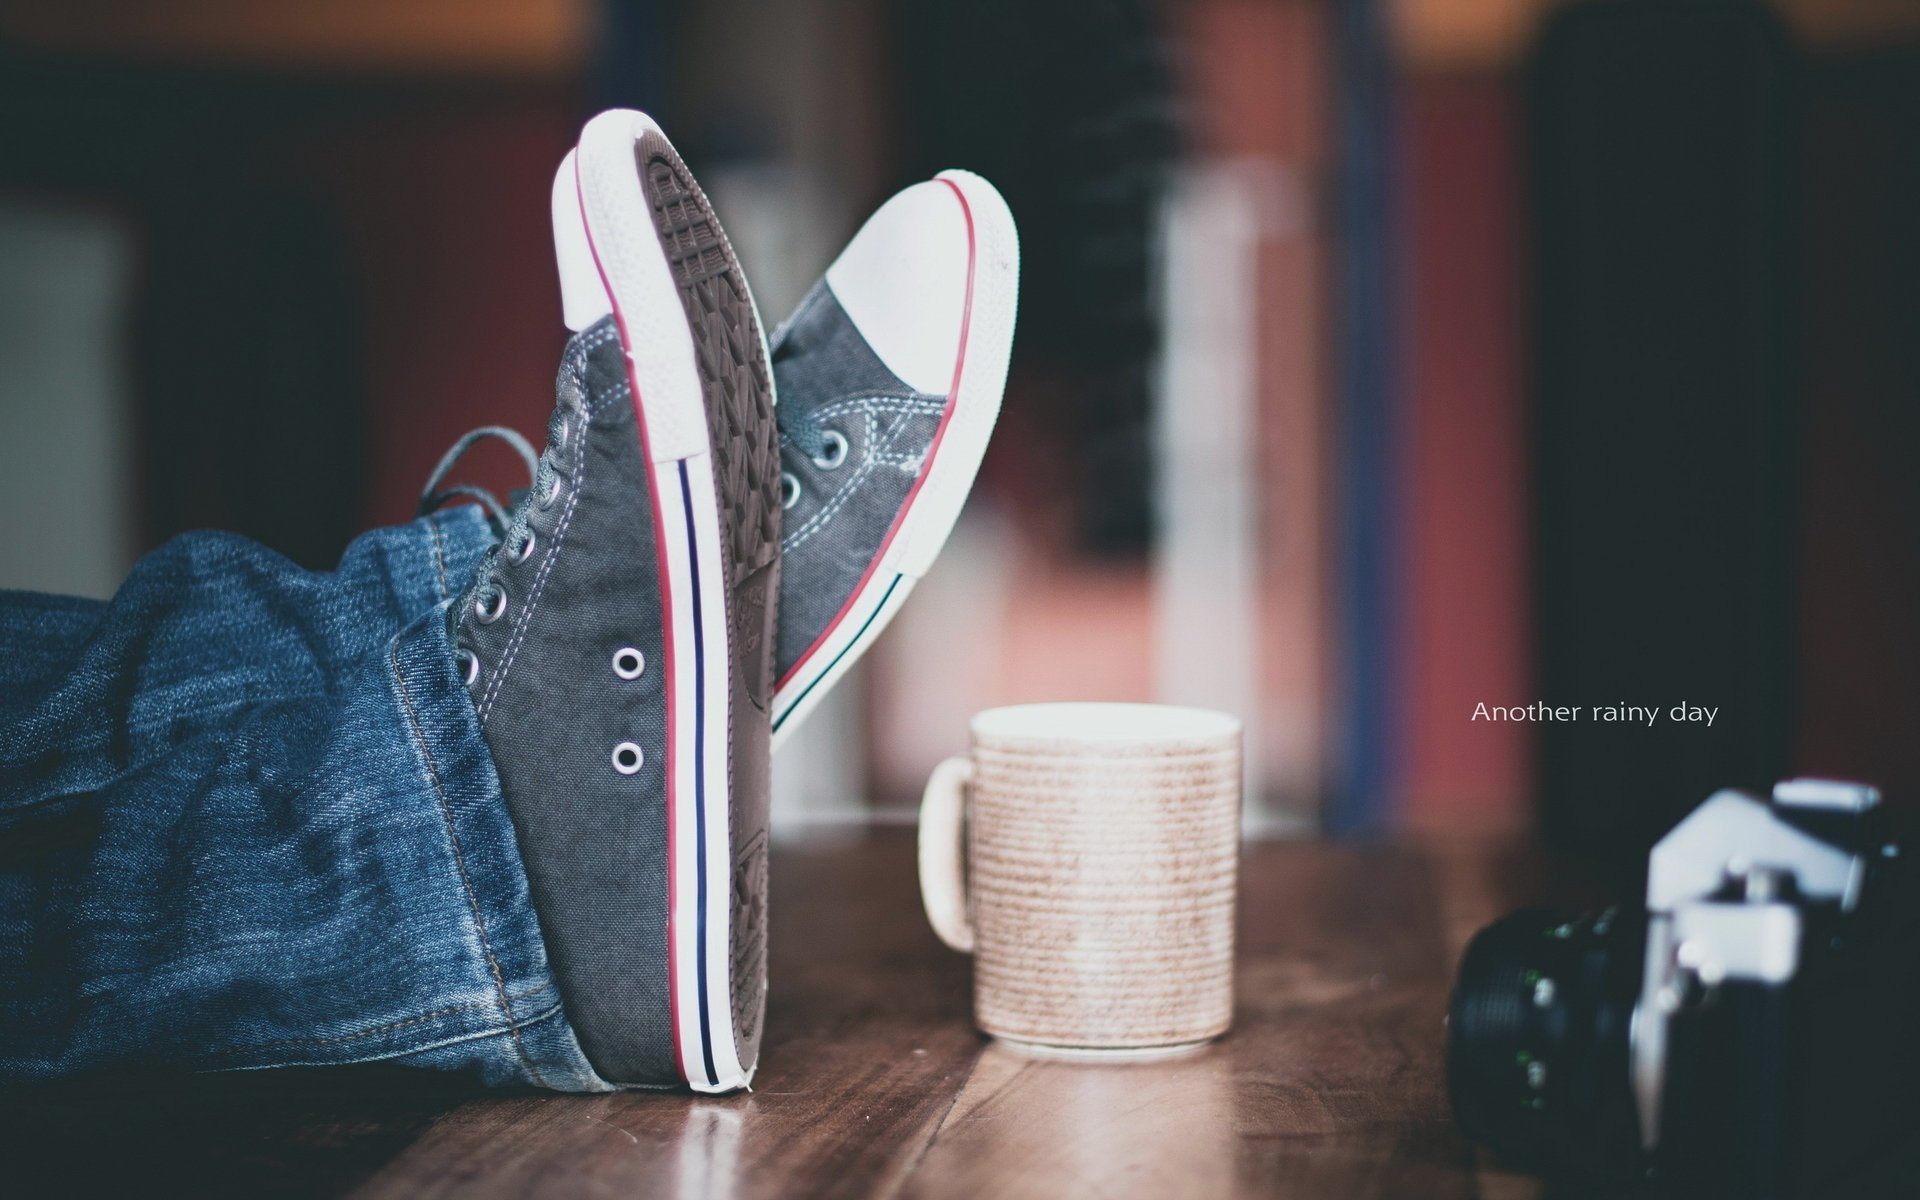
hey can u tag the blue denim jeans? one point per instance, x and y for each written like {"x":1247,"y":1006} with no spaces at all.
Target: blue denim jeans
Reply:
{"x":247,"y":819}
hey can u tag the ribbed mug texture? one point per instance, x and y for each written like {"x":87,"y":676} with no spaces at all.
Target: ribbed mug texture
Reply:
{"x":1102,"y":878}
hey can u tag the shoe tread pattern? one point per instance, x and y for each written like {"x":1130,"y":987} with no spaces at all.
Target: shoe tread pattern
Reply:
{"x":732,"y":362}
{"x":737,"y":387}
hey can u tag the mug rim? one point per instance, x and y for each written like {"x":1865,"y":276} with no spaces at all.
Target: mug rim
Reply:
{"x":1103,"y":722}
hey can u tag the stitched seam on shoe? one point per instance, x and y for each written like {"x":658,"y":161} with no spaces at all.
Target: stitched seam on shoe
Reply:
{"x":460,"y":861}
{"x":872,"y":458}
{"x":577,"y":366}
{"x":390,"y":1026}
{"x":841,"y":498}
{"x":539,"y":587}
{"x":577,"y":363}
{"x":595,"y":340}
{"x":912,"y":406}
{"x":884,"y":402}
{"x":595,"y":407}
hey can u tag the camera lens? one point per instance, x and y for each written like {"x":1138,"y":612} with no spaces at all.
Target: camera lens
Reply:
{"x":1537,"y":1041}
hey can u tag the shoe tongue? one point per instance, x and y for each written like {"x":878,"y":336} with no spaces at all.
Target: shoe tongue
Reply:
{"x":799,"y":427}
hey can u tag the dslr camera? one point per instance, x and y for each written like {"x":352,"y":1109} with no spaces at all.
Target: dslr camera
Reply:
{"x":1749,"y":1032}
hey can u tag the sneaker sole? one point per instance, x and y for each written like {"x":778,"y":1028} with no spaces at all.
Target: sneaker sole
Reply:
{"x":697,"y":362}
{"x":927,"y":517}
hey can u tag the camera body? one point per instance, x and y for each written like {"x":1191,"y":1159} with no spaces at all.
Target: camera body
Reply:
{"x":1745,"y":1033}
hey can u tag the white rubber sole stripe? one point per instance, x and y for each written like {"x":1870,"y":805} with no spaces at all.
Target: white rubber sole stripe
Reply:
{"x":670,"y":408}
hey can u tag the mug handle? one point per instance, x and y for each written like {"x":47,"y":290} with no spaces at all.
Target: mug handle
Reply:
{"x":943,"y":880}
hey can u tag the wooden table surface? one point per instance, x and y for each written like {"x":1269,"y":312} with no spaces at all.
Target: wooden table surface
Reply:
{"x":873,"y":1081}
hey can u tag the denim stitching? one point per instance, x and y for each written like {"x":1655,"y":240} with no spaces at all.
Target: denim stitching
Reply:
{"x":460,"y":860}
{"x":176,"y":710}
{"x":173,"y":712}
{"x":389,"y":1026}
{"x":439,"y":556}
{"x":546,"y":1014}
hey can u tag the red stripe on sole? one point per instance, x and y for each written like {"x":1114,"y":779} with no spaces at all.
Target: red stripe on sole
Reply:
{"x":926,"y":470}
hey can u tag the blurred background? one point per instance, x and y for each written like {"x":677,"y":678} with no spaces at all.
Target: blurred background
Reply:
{"x":1377,"y":358}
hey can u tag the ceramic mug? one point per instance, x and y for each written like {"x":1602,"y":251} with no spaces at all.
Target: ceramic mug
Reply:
{"x":1086,"y":856}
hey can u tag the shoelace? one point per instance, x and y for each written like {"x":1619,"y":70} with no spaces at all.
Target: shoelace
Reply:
{"x":511,"y":528}
{"x":432,"y":496}
{"x":827,"y":448}
{"x":803,"y":430}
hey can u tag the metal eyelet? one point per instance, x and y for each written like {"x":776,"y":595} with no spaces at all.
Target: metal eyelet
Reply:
{"x":546,"y":498}
{"x":524,"y":550}
{"x":789,"y":490}
{"x":493,"y":609}
{"x":628,"y":663}
{"x":836,"y":454}
{"x":627,"y":758}
{"x":562,"y":433}
{"x":470,"y":666}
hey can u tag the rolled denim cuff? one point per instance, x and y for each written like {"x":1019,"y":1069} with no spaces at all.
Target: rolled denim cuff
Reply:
{"x":509,"y":1024}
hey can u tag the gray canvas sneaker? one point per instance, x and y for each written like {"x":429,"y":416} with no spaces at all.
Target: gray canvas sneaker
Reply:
{"x":889,"y":375}
{"x":617,"y":641}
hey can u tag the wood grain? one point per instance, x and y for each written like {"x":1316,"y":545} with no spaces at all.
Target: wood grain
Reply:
{"x":875,"y":1084}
